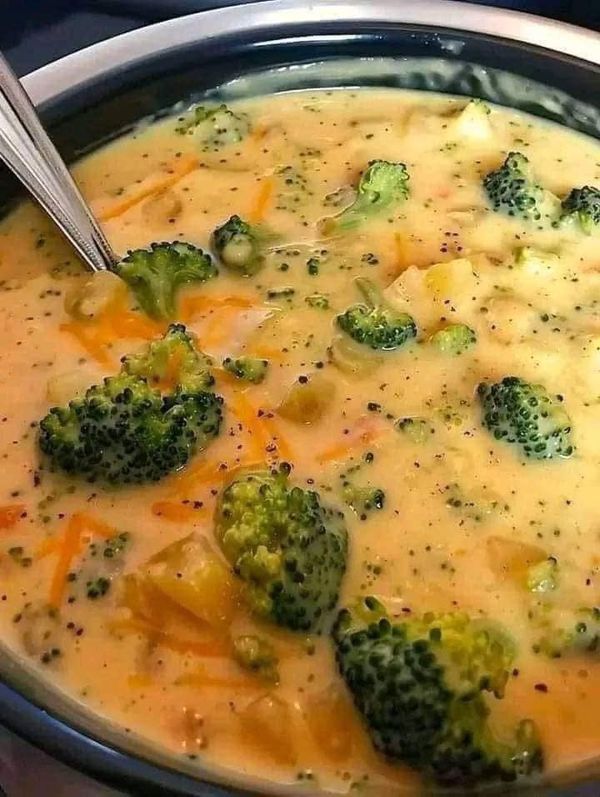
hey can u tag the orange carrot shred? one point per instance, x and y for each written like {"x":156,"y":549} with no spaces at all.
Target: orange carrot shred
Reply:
{"x":177,"y":512}
{"x":68,"y":550}
{"x":10,"y":514}
{"x":344,"y":448}
{"x":261,"y":203}
{"x":191,"y":305}
{"x":178,"y":170}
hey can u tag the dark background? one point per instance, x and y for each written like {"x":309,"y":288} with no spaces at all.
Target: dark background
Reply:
{"x":33,"y":32}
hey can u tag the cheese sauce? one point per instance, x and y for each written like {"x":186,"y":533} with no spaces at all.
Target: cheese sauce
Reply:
{"x":464,"y":516}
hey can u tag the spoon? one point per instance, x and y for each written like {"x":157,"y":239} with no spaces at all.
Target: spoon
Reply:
{"x":28,"y":152}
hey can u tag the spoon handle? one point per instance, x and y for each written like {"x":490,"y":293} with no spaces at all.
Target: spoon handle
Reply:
{"x":30,"y":154}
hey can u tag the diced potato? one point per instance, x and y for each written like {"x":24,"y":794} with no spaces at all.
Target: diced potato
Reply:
{"x":509,"y":319}
{"x":61,"y":388}
{"x":511,"y":559}
{"x":162,"y":207}
{"x":140,"y":597}
{"x":329,"y":717}
{"x":267,"y":726}
{"x":306,"y":402}
{"x":90,"y":299}
{"x":430,"y":293}
{"x":351,"y":357}
{"x":472,"y":122}
{"x":192,"y":575}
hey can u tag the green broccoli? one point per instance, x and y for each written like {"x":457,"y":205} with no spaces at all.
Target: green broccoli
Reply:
{"x":257,"y":655}
{"x":127,"y":431}
{"x":173,"y":356}
{"x":419,"y":684}
{"x":214,"y":127}
{"x":239,"y":246}
{"x":156,"y":274}
{"x":582,"y":207}
{"x":288,"y":547}
{"x":453,"y":339}
{"x":512,"y":189}
{"x":250,"y":369}
{"x":374,"y":323}
{"x":528,"y":416}
{"x":382,"y":185}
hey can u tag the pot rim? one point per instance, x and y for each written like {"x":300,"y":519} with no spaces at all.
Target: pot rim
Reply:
{"x":91,"y":63}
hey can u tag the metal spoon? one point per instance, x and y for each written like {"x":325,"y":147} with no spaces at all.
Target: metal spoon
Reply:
{"x":31,"y":155}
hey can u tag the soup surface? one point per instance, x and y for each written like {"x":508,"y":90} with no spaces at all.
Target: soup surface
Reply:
{"x":180,"y":644}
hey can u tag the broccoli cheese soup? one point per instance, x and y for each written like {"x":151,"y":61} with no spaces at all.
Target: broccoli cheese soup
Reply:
{"x":304,"y":490}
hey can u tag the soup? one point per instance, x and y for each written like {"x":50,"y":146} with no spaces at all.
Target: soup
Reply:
{"x":338,"y":527}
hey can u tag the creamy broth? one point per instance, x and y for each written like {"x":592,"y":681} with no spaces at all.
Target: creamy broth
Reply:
{"x":464,"y":515}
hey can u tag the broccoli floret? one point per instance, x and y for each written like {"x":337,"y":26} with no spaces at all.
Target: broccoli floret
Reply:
{"x":126,"y":431}
{"x":454,"y":339}
{"x":582,"y":206}
{"x":172,"y":360}
{"x":382,"y":185}
{"x":215,"y":127}
{"x":156,"y":274}
{"x":375,"y":323}
{"x":512,"y":189}
{"x":528,"y":416}
{"x":419,"y":685}
{"x":257,"y":655}
{"x":239,"y":246}
{"x":250,"y":369}
{"x":286,"y":545}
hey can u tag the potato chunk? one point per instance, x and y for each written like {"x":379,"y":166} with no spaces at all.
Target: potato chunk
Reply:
{"x":191,"y":573}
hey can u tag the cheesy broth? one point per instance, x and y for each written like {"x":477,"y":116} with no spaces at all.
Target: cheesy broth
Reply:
{"x":464,"y":515}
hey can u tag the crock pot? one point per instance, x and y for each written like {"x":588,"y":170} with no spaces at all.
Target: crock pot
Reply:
{"x":547,"y":68}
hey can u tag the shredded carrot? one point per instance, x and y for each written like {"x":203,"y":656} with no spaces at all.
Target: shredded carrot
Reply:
{"x":201,"y":473}
{"x":216,"y":328}
{"x":191,"y":305}
{"x":68,"y":550}
{"x":67,"y":547}
{"x":262,"y":200}
{"x":178,"y":169}
{"x":402,"y":255}
{"x":96,"y":526}
{"x":88,"y":340}
{"x":139,"y":680}
{"x":48,"y":546}
{"x":172,"y":372}
{"x":345,"y":447}
{"x":10,"y":515}
{"x":115,"y":322}
{"x":266,"y":353}
{"x":201,"y":679}
{"x":177,"y":512}
{"x":213,"y":647}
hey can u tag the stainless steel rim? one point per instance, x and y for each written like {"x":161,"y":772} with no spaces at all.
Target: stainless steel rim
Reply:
{"x":122,"y":51}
